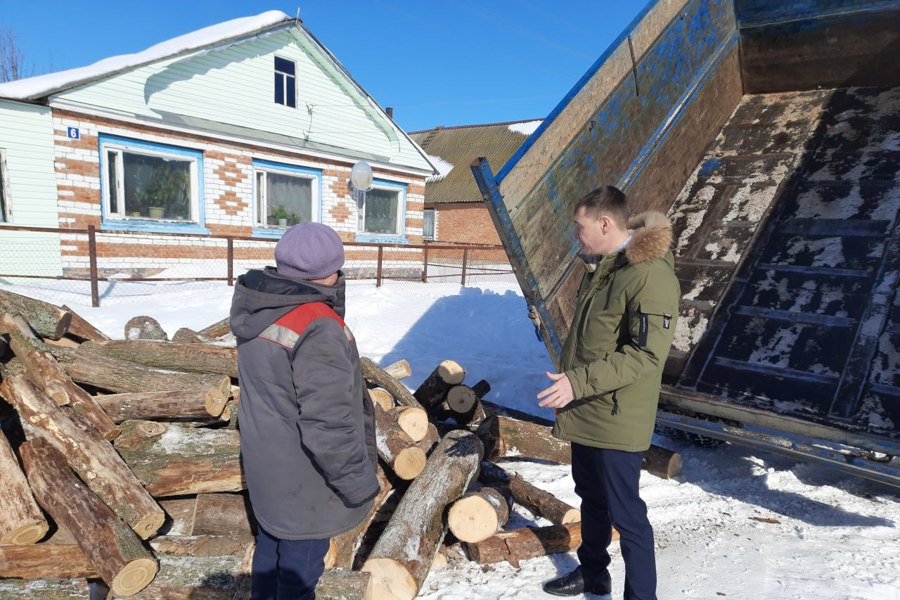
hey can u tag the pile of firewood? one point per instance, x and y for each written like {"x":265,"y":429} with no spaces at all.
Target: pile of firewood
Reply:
{"x":120,"y":464}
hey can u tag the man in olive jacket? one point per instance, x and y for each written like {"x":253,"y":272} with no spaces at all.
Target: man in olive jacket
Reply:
{"x":606,"y":396}
{"x":307,"y":427}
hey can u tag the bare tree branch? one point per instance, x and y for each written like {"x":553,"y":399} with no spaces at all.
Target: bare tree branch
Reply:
{"x":12,"y":61}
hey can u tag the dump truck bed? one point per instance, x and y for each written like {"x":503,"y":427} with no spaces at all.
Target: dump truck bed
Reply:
{"x":784,"y":200}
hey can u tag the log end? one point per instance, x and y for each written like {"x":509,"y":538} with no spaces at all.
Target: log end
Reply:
{"x":26,"y":534}
{"x":214,"y":401}
{"x":472,"y":519}
{"x":409,"y":463}
{"x":150,"y":524}
{"x":571,"y":516}
{"x":451,"y":372}
{"x":390,"y":580}
{"x":134,"y":576}
{"x":382,"y":398}
{"x":414,"y":421}
{"x":151,"y":428}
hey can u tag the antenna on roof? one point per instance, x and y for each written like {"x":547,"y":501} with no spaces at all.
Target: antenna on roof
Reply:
{"x":298,"y":13}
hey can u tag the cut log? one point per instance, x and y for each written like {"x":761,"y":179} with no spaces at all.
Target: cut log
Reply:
{"x":46,"y":561}
{"x":340,"y":584}
{"x":396,"y":448}
{"x":378,"y":377}
{"x":112,"y":547}
{"x":21,"y":521}
{"x":217,"y":329}
{"x":342,"y":548}
{"x":82,"y":329}
{"x":45,"y":589}
{"x":433,"y":391}
{"x":661,"y":462}
{"x":479,"y":515}
{"x":464,"y":405}
{"x":539,"y":502}
{"x":521,"y":544}
{"x":144,"y":328}
{"x":414,"y":421}
{"x":174,"y":461}
{"x":399,"y":369}
{"x":115,"y":375}
{"x":179,"y":515}
{"x":482,"y":388}
{"x":48,"y":375}
{"x":164,"y":406}
{"x":223,"y":514}
{"x":402,"y":557}
{"x":202,"y":545}
{"x":430,"y":441}
{"x":47,"y":320}
{"x":98,"y":464}
{"x":190,"y":358}
{"x":188,"y":336}
{"x":382,"y":398}
{"x":503,"y":436}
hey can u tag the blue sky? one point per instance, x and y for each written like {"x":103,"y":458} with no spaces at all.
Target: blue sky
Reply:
{"x":437,"y":62}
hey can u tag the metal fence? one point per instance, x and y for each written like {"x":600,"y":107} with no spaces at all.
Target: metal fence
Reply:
{"x":32,"y":256}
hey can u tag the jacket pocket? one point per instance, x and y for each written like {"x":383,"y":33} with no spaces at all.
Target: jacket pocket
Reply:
{"x":660,"y":312}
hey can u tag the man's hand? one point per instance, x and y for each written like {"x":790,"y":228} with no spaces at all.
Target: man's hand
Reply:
{"x":559,"y":394}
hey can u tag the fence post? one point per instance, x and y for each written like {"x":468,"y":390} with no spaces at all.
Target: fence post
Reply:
{"x":92,"y":253}
{"x":378,"y":268}
{"x":465,"y":262}
{"x":231,"y":261}
{"x":425,"y":264}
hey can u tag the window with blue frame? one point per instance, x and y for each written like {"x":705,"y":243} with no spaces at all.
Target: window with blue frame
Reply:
{"x":381,"y":210}
{"x":285,"y":82}
{"x":144,"y":181}
{"x":285,"y":195}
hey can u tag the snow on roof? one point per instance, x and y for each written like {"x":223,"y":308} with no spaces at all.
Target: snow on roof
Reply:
{"x":444,"y":167}
{"x":43,"y":85}
{"x":525,"y":127}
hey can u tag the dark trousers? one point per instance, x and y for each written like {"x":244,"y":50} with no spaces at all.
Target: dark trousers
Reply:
{"x":607,"y":483}
{"x":287,"y":569}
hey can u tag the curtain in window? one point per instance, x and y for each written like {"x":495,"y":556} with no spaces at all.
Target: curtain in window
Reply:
{"x":157,"y":187}
{"x":289,"y":198}
{"x":381,"y":211}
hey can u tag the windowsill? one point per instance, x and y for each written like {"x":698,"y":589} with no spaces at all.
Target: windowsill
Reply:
{"x":151,"y":226}
{"x":381,"y":238}
{"x":268,"y":232}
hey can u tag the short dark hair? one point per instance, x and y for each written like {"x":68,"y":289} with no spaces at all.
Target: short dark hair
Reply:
{"x":606,"y":200}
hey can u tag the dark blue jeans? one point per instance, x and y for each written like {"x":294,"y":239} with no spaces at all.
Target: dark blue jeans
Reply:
{"x":287,"y":569}
{"x":607,"y":483}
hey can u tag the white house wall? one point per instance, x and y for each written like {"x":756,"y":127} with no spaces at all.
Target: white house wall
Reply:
{"x":26,"y":139}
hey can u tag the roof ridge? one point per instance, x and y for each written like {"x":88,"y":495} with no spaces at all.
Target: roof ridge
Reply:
{"x":443,"y":127}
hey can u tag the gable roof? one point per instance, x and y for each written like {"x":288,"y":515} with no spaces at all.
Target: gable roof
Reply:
{"x":452,"y":150}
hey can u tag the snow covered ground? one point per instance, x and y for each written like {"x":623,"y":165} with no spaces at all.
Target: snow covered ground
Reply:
{"x":736,"y":524}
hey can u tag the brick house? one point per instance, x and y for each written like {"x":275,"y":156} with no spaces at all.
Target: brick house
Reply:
{"x":240,"y":129}
{"x":454,"y":209}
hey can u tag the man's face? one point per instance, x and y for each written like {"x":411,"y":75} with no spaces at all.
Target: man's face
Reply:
{"x":593,"y":233}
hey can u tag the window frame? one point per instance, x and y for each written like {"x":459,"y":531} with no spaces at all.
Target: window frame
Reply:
{"x":120,"y":220}
{"x":433,"y":235}
{"x":400,"y":235}
{"x":267,"y":166}
{"x":286,"y":78}
{"x":5,"y":205}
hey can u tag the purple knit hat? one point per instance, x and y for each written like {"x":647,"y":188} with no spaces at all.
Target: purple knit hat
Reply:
{"x":309,"y":251}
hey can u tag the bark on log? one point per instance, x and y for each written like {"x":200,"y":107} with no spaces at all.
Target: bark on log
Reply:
{"x":45,"y":589}
{"x":202,"y":545}
{"x":414,"y":421}
{"x":217,"y":329}
{"x":190,"y":358}
{"x":21,"y":521}
{"x":163,"y":406}
{"x":377,"y":376}
{"x":504,"y":435}
{"x":112,"y":547}
{"x":92,"y":457}
{"x":340,"y":584}
{"x":185,"y":335}
{"x":223,"y":514}
{"x":522,"y":544}
{"x":661,"y":462}
{"x":144,"y":328}
{"x":433,"y":391}
{"x":400,"y":560}
{"x":396,"y":448}
{"x":399,"y":369}
{"x":47,"y":320}
{"x":46,"y":561}
{"x":382,"y":398}
{"x":193,"y":578}
{"x":120,"y":376}
{"x":176,"y":461}
{"x":541,"y":503}
{"x":48,"y":375}
{"x":82,"y":329}
{"x":179,"y":516}
{"x":430,"y":441}
{"x":342,"y":548}
{"x":479,"y":515}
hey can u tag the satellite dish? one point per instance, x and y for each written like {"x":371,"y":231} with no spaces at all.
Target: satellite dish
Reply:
{"x":361,"y":176}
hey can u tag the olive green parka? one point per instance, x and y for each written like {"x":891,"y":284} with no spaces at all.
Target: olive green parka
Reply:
{"x":619,"y":340}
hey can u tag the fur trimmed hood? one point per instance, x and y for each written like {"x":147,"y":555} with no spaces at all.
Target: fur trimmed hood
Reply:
{"x":651,"y":237}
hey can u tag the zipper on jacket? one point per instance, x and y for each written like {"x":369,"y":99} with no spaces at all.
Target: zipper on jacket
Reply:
{"x":615,"y":409}
{"x":612,"y":280}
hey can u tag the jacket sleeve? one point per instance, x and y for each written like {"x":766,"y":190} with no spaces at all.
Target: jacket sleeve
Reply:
{"x":331,"y":417}
{"x":652,"y":311}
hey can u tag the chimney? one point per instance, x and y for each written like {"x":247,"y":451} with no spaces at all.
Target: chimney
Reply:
{"x":390,"y":111}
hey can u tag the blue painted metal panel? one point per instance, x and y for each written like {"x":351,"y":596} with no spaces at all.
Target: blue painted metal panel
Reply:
{"x":752,"y":13}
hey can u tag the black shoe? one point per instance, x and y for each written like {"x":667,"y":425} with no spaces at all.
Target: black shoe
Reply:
{"x":574,"y":584}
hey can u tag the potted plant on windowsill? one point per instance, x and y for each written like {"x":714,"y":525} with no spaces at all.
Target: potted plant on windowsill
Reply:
{"x":281,"y":216}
